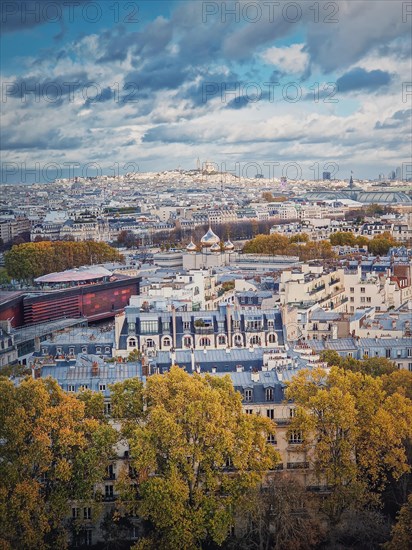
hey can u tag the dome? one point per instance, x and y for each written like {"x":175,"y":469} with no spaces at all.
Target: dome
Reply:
{"x":209,"y":238}
{"x":215,"y":247}
{"x":191,"y":247}
{"x":229,"y":245}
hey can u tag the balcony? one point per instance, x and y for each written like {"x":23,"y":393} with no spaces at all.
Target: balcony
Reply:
{"x":204,"y":330}
{"x":251,"y":328}
{"x":317,"y":289}
{"x":334,"y":281}
{"x":297,"y":465}
{"x":282,"y":421}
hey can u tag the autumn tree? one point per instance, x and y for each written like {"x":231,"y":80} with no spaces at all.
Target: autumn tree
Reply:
{"x":355,"y":433}
{"x":30,"y":260}
{"x":401,"y":536}
{"x":51,"y":454}
{"x":195,"y":454}
{"x":278,"y":516}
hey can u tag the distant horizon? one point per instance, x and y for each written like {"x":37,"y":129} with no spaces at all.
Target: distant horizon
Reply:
{"x":238,"y":81}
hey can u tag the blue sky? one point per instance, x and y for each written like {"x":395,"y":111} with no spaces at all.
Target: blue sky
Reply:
{"x":159,"y":84}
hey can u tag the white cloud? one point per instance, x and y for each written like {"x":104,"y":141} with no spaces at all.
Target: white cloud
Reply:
{"x":289,"y":59}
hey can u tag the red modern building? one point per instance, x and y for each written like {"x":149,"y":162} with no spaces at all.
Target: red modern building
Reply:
{"x":92,"y":293}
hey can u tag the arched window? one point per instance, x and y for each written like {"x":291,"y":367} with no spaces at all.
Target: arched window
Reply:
{"x":272,"y":338}
{"x":132,"y":342}
{"x":167,"y":342}
{"x":221,"y":340}
{"x":204,"y":342}
{"x":187,"y":341}
{"x":150,"y":343}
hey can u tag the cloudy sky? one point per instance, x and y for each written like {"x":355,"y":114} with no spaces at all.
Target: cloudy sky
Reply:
{"x":155,"y":85}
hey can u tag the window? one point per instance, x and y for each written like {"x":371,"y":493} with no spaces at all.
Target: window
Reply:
{"x":271,"y":439}
{"x":272,"y":338}
{"x":255,"y":340}
{"x":238,"y":340}
{"x":248,"y":394}
{"x":295,"y":437}
{"x":292,"y":413}
{"x":87,"y":513}
{"x":84,"y":387}
{"x":409,"y":352}
{"x":59,"y":351}
{"x":221,"y":340}
{"x":102,"y":387}
{"x":270,"y":413}
{"x":71,"y":388}
{"x":167,"y":342}
{"x":236,"y":325}
{"x":44,"y":351}
{"x":107,"y":409}
{"x":110,"y":472}
{"x":362,"y":299}
{"x":368,"y":299}
{"x":71,"y":351}
{"x":410,"y":367}
{"x":84,"y":349}
{"x":99,"y":350}
{"x":270,"y":323}
{"x":107,"y":349}
{"x":204,"y":342}
{"x":362,"y":289}
{"x":352,"y":299}
{"x":352,"y":289}
{"x":108,"y":491}
{"x":186,"y":325}
{"x":187,"y":341}
{"x":269,"y":394}
{"x":315,"y":326}
{"x":132,"y":342}
{"x":249,"y":411}
{"x":150,"y":343}
{"x":366,"y":353}
{"x":149,"y":327}
{"x":388,"y":353}
{"x":75,"y":512}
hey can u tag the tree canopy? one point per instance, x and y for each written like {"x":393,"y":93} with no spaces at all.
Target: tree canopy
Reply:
{"x":52,"y":453}
{"x":277,"y":244}
{"x":356,"y":432}
{"x":30,"y":260}
{"x":195,"y":454}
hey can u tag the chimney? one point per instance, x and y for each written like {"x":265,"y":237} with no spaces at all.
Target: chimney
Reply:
{"x":174,"y":326}
{"x":254,"y":375}
{"x":229,"y":326}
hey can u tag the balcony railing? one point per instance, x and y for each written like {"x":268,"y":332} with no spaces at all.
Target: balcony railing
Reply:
{"x":317,"y":289}
{"x":204,"y":330}
{"x":297,"y":465}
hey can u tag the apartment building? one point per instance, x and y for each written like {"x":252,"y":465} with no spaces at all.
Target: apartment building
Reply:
{"x":205,"y":330}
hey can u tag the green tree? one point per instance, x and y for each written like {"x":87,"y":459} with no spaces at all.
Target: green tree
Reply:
{"x":193,"y":430}
{"x":51,"y":454}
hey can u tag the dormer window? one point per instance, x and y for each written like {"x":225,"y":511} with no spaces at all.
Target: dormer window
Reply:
{"x":248,"y":394}
{"x":269,"y":394}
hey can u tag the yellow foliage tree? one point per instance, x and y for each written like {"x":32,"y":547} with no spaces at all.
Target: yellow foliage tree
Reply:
{"x":196,"y":454}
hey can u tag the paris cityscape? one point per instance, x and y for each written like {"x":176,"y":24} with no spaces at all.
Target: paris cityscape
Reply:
{"x":206,"y":275}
